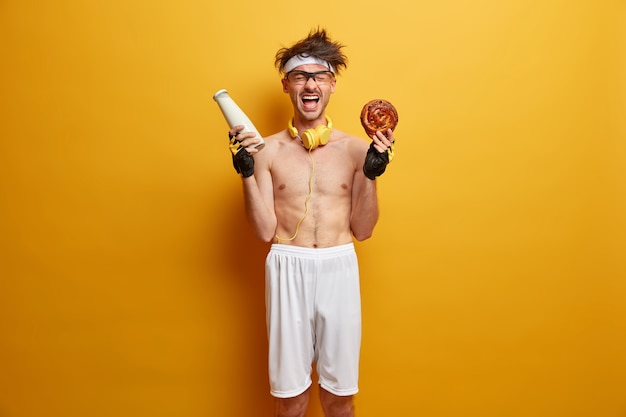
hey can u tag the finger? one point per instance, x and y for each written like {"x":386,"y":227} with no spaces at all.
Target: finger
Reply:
{"x":379,"y":146}
{"x":241,"y":136}
{"x":248,"y":142}
{"x":390,"y":136}
{"x":234,"y":131}
{"x":384,"y":141}
{"x":380,"y":135}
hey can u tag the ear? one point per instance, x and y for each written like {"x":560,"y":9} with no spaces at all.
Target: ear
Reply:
{"x":284,"y":82}
{"x":332,"y":85}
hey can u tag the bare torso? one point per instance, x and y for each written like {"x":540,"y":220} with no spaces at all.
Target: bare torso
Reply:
{"x":321,"y":179}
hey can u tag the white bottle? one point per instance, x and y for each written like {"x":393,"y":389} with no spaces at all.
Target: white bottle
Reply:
{"x":235,"y":116}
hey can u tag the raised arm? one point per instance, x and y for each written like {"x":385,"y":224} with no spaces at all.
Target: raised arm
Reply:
{"x":364,"y":206}
{"x":370,"y":163}
{"x":257,"y":185}
{"x":259,"y":200}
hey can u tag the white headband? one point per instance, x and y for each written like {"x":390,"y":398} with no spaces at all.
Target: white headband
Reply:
{"x":298,"y":60}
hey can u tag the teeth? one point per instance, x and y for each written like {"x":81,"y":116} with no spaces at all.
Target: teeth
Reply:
{"x":309,"y":98}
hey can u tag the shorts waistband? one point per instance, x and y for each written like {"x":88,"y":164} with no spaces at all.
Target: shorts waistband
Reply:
{"x":313,"y":253}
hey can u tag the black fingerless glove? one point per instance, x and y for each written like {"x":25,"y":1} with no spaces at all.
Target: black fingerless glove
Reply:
{"x":243,"y":162}
{"x":376,"y":162}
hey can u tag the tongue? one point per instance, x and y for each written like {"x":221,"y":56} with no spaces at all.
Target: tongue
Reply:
{"x":309,"y":104}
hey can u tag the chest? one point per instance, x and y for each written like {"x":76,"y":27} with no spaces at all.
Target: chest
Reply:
{"x":328,"y":170}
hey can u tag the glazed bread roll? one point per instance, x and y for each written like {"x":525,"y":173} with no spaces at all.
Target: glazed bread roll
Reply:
{"x":378,"y":115}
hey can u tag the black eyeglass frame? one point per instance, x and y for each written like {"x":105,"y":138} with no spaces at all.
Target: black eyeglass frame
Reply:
{"x":309,"y":74}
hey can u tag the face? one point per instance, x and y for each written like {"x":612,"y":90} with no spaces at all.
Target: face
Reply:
{"x":311,"y":97}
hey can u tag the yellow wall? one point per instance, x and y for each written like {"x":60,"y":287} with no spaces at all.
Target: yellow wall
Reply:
{"x":132,"y":286}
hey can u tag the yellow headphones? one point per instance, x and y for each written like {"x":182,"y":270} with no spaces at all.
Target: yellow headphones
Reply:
{"x":312,"y":138}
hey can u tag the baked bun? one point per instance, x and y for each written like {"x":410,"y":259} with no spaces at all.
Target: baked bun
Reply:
{"x":378,"y":115}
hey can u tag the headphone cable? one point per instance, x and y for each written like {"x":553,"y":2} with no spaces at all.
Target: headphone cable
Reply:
{"x":306,"y":203}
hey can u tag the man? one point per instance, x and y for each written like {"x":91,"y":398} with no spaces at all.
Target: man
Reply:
{"x":309,"y":191}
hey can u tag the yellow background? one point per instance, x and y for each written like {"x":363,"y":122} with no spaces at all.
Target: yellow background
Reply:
{"x":494,"y":284}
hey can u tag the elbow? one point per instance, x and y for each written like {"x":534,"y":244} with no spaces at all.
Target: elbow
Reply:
{"x":265,"y":237}
{"x":362,"y":230}
{"x":362,"y":235}
{"x":266,"y":234}
{"x":264,"y":230}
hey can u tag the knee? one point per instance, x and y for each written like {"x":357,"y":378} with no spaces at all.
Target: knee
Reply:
{"x":292,"y":407}
{"x":337,"y":406}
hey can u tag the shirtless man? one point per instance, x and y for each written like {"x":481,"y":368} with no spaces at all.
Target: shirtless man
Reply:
{"x":308,"y":193}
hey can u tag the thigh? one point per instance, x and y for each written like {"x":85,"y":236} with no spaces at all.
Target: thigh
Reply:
{"x":289,"y":324}
{"x":338,"y":326}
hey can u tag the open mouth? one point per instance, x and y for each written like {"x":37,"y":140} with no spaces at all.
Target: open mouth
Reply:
{"x":310,"y":100}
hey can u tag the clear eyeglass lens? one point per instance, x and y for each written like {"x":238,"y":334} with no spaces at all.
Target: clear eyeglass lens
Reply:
{"x":301,"y":77}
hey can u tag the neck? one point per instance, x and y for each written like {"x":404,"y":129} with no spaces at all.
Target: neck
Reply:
{"x":303,"y":124}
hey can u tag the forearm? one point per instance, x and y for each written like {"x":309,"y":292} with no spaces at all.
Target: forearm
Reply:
{"x":261,"y":217}
{"x":364,"y":209}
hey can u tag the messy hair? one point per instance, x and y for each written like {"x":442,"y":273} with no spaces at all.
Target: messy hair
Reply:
{"x":317,"y":44}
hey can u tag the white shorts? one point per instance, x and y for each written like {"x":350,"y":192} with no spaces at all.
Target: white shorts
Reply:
{"x":313,"y":304}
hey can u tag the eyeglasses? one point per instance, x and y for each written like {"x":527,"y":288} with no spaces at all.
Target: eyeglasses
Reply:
{"x":302,"y":77}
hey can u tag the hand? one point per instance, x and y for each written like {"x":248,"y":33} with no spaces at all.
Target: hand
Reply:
{"x":243,"y":162}
{"x":383,"y":143}
{"x":246,"y":139}
{"x":379,"y":154}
